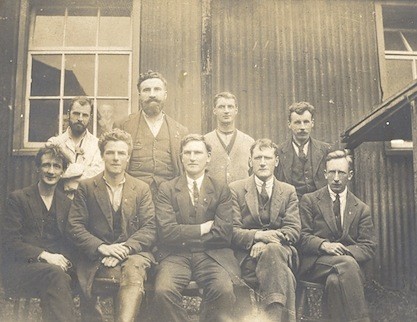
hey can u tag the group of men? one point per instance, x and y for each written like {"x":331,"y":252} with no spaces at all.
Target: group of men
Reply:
{"x":220,"y":209}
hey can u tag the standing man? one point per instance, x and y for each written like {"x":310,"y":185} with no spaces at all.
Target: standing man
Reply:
{"x":156,"y":136}
{"x":194,"y":220}
{"x":266,"y":225}
{"x":36,"y":257}
{"x":111,"y":222}
{"x":337,"y":237}
{"x":302,"y":158}
{"x":78,"y":145}
{"x":230,"y":147}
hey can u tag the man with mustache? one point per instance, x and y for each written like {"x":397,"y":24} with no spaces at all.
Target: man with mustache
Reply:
{"x":302,"y":158}
{"x":156,"y":136}
{"x":77,"y":144}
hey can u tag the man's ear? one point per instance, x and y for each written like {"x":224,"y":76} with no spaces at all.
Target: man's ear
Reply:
{"x":276,"y":161}
{"x":325,"y":174}
{"x":350,"y":175}
{"x":250,"y":162}
{"x":312,"y":123}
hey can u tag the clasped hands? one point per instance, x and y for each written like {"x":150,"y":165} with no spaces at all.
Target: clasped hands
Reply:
{"x":262,"y":238}
{"x":113,"y":254}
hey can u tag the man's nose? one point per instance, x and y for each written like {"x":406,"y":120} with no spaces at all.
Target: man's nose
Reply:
{"x":336,"y":177}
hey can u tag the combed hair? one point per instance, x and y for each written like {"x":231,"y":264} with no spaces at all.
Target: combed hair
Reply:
{"x":340,"y":154}
{"x":194,"y":137}
{"x":224,"y":95}
{"x":54,"y":152}
{"x":151,"y":74}
{"x":262,"y":144}
{"x":300,"y":108}
{"x":82,"y":100}
{"x":115,"y":135}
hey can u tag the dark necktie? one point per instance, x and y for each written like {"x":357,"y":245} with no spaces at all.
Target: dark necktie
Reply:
{"x":336,"y":211}
{"x":196,"y":193}
{"x":264,"y":194}
{"x":301,"y":154}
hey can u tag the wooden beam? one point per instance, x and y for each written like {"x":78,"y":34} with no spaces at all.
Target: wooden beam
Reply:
{"x":413,"y":235}
{"x":206,"y":66}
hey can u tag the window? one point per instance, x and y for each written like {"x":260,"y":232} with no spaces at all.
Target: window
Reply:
{"x":397,"y":39}
{"x":76,"y":48}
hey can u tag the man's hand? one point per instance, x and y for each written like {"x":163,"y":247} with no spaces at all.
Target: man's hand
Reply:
{"x":119,"y":251}
{"x":206,"y":227}
{"x":59,"y":143}
{"x":55,"y":259}
{"x":335,"y":249}
{"x":110,"y":261}
{"x":257,"y":249}
{"x":269,"y":236}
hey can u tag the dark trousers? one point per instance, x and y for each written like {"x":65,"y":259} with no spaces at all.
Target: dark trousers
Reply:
{"x":274,"y":278}
{"x":173,"y":275}
{"x":344,"y":292}
{"x":51,"y":284}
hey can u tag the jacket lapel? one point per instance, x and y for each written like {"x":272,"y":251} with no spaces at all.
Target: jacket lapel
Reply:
{"x":316,"y":156}
{"x":276,"y":200}
{"x":286,"y":162}
{"x":35,"y":205}
{"x":325,"y":205}
{"x":350,"y":212}
{"x":128,"y":201}
{"x":61,"y":203}
{"x":251,"y":199}
{"x":183,"y":198}
{"x":103,"y":201}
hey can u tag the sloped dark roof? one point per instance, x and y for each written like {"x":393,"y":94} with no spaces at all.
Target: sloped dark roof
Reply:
{"x":389,"y":121}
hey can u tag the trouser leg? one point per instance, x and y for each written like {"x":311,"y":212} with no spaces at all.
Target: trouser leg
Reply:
{"x":218,"y":297}
{"x":343,"y":287}
{"x":129,"y":297}
{"x":53,"y":286}
{"x":173,"y":275}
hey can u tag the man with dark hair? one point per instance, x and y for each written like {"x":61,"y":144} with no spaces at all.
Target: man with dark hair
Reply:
{"x":111,"y":222}
{"x":156,"y":136}
{"x":230,"y":157}
{"x":77,"y":144}
{"x":194,"y":220}
{"x":266,"y":225}
{"x":36,"y":257}
{"x":337,"y":238}
{"x":302,"y":158}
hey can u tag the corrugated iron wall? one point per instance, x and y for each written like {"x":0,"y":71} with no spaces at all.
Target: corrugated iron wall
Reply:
{"x":270,"y":54}
{"x":273,"y":53}
{"x":171,"y":43}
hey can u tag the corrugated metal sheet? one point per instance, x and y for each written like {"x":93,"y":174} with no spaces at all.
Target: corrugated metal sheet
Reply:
{"x":386,"y":183}
{"x":171,"y":44}
{"x":273,"y":53}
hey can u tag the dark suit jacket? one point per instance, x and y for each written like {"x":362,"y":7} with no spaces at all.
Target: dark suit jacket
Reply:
{"x":319,"y":151}
{"x":23,"y":227}
{"x":319,"y":225}
{"x":176,"y":133}
{"x":247,"y":221}
{"x":175,"y":235}
{"x":90,"y":223}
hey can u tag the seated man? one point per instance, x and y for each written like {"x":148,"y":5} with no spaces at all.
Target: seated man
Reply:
{"x":36,"y":259}
{"x":337,"y":236}
{"x":266,"y":223}
{"x":194,"y":220}
{"x":112,"y":223}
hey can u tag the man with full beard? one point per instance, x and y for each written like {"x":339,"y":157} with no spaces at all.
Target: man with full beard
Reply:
{"x":78,"y":145}
{"x":156,"y":136}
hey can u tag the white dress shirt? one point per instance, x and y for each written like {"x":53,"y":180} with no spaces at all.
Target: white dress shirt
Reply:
{"x":190,"y":184}
{"x":342,"y":197}
{"x":269,"y":185}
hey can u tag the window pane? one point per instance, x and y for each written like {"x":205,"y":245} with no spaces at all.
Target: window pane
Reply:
{"x":399,"y":74}
{"x":79,"y":75}
{"x":393,"y":41}
{"x":411,"y":39}
{"x":110,"y":114}
{"x":113,"y":75}
{"x":43,"y":119}
{"x":81,"y":27}
{"x":114,"y":28}
{"x":46,"y":75}
{"x":49,"y":27}
{"x":400,"y":17}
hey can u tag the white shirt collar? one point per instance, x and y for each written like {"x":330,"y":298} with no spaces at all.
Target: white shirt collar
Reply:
{"x":305,"y":149}
{"x":190,"y":182}
{"x":269,"y":184}
{"x":342,"y":195}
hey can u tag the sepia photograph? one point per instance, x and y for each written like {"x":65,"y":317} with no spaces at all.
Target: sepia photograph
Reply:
{"x":208,"y":160}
